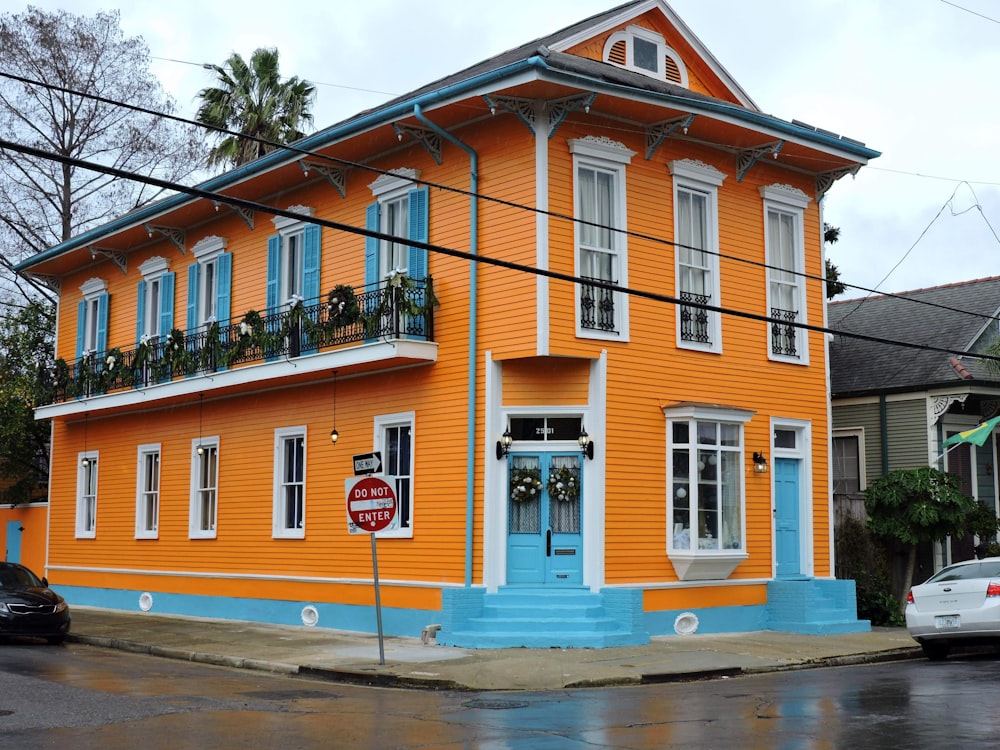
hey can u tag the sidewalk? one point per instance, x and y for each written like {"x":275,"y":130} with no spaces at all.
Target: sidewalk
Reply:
{"x":354,"y":657}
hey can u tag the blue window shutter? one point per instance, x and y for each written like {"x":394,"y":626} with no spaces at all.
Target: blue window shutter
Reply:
{"x":81,"y":326}
{"x":140,"y":312}
{"x":192,"y":304}
{"x":310,"y":264}
{"x":224,"y":287}
{"x":417,"y":261}
{"x":273,"y":265}
{"x":102,"y":322}
{"x":167,"y":302}
{"x":371,"y":245}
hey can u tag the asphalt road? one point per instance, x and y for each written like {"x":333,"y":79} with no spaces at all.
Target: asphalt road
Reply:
{"x":82,"y":697}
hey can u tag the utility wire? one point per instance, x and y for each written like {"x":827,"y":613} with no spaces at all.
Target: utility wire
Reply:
{"x":291,"y":148}
{"x":461,"y":254}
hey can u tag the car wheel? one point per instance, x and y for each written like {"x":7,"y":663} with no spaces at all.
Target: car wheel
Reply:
{"x":935,"y":651}
{"x":56,"y":640}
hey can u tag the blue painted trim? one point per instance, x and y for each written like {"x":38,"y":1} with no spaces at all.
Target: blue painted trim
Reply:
{"x":403,"y":108}
{"x":470,"y":453}
{"x":361,"y":619}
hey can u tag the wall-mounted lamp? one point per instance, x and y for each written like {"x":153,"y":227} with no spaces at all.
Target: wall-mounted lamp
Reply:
{"x":334,"y":435}
{"x":759,"y":463}
{"x":586,"y":444}
{"x":503,"y":444}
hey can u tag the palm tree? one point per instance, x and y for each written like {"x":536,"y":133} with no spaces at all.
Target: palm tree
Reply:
{"x":252,"y":100}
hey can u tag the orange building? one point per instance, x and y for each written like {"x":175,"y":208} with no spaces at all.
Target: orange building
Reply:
{"x":565,"y":295}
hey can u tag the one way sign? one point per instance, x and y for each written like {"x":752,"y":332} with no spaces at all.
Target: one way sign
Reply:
{"x":367,"y":463}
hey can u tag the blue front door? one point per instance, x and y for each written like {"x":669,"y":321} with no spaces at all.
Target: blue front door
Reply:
{"x":544,"y":504}
{"x":14,"y":541}
{"x":786,"y":517}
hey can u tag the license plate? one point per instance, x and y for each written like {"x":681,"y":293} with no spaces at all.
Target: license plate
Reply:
{"x":946,"y":621}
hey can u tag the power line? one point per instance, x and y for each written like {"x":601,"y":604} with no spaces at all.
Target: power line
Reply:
{"x":291,"y":148}
{"x":461,"y":254}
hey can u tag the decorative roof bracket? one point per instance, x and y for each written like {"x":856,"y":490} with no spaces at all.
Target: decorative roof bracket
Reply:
{"x":425,"y":137}
{"x":244,"y":213}
{"x":825,"y":180}
{"x":115,"y":256}
{"x":749,"y":157}
{"x":560,"y":109}
{"x":52,"y":282}
{"x":656,"y":133}
{"x":175,"y":235}
{"x":524,"y":109}
{"x":337,"y":176}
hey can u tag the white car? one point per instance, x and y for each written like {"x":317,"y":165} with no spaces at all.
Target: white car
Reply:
{"x":959,"y":604}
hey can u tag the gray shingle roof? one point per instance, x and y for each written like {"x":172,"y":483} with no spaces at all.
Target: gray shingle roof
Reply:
{"x":858,"y":367}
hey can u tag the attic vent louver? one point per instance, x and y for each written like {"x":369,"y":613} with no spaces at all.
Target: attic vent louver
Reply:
{"x":646,"y":52}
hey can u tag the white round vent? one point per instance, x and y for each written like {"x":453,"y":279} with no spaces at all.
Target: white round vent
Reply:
{"x":145,"y":601}
{"x":310,"y":616}
{"x":686,"y":623}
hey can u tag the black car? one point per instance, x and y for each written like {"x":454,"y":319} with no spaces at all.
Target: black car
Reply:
{"x":28,"y":607}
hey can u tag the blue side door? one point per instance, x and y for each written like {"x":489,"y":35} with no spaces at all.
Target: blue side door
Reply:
{"x":544,"y":524}
{"x":786,"y":517}
{"x":14,"y":541}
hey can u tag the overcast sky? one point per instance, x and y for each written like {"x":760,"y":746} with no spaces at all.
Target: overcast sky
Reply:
{"x":913,"y":79}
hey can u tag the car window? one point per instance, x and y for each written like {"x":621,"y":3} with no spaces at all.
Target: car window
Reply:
{"x":18,"y":578}
{"x":957,"y":573}
{"x":991,"y":569}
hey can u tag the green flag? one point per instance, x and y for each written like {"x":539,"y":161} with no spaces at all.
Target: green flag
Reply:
{"x":977,"y":434}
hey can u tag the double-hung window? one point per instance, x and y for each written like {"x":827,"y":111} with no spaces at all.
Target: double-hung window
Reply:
{"x":847,"y":462}
{"x":147,"y":508}
{"x":155,"y":305}
{"x":290,"y":482}
{"x":784,"y":208}
{"x":92,"y":318}
{"x":293,"y":261}
{"x":394,"y":440}
{"x":600,"y":231}
{"x":204,"y":488}
{"x":696,"y":235}
{"x":400,"y":210}
{"x":209,"y":283}
{"x":706,"y":516}
{"x":86,"y":495}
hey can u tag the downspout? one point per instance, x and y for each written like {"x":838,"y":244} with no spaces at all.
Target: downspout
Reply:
{"x":883,"y":425}
{"x":470,"y":455}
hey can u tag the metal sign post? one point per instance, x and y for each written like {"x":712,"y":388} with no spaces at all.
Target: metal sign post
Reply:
{"x":371,"y":507}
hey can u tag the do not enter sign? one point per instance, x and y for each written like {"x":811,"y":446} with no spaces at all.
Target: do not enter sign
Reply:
{"x":371,"y":504}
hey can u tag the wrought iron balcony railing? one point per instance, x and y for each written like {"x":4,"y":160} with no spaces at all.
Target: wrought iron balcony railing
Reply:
{"x":694,"y":320}
{"x":783,"y":335}
{"x":597,"y":306}
{"x":392,"y":311}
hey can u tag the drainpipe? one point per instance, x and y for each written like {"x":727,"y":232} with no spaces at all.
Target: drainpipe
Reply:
{"x":470,"y":457}
{"x":883,"y":424}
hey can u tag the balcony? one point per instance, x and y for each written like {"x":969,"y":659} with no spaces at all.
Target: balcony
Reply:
{"x":391,"y":312}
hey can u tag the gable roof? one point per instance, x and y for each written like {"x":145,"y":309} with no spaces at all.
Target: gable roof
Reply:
{"x":960,"y":317}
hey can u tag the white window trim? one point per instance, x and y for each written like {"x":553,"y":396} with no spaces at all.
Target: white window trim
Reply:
{"x":154,"y":267}
{"x":610,"y":156}
{"x":790,"y":200}
{"x":283,"y":223}
{"x":859,"y":433}
{"x":92,"y":289}
{"x":279,"y":531}
{"x":394,"y":183}
{"x":209,"y":247}
{"x":694,"y":564}
{"x":152,"y":270}
{"x":81,"y":472}
{"x":662,"y":51}
{"x":697,"y":176}
{"x":393,"y":420}
{"x":140,"y":506}
{"x":194,"y":532}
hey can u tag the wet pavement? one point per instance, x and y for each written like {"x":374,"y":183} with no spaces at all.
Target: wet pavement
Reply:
{"x":409,"y":662}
